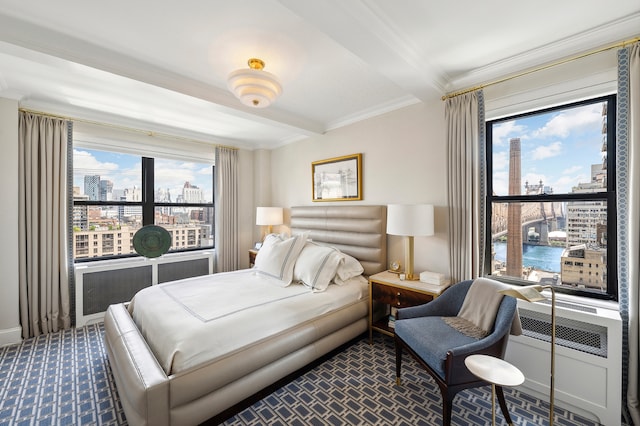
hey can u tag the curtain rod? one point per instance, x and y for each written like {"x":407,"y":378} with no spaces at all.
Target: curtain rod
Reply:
{"x":540,"y":68}
{"x":128,"y":129}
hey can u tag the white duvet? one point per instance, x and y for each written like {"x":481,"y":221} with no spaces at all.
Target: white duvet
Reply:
{"x":199,"y":319}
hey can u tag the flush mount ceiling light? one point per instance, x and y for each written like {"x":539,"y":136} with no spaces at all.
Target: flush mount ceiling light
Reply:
{"x":254,"y":86}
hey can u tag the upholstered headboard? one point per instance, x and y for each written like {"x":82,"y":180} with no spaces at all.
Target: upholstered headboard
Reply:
{"x":359,"y":231}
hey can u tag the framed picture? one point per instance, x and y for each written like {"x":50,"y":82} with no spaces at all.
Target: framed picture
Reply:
{"x":337,"y":179}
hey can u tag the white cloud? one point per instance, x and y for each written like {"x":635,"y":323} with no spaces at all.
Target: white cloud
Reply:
{"x":501,"y":183}
{"x":87,"y":164}
{"x":569,"y":122}
{"x":571,"y":170}
{"x":506,"y":130}
{"x":500,"y":161}
{"x":547,"y":151}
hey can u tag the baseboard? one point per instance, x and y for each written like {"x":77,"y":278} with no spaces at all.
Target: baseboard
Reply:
{"x":10,"y":336}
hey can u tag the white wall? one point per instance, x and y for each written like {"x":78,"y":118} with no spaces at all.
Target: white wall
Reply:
{"x":404,"y":161}
{"x":10,"y":330}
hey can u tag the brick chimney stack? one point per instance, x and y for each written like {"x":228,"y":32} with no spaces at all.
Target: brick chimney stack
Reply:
{"x":514,"y":216}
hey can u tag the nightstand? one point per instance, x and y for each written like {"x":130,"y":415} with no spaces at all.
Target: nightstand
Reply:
{"x":386,"y":287}
{"x":252,"y":257}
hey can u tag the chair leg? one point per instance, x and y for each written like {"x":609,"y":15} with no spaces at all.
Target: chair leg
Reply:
{"x":503,"y":404}
{"x":447,"y":407}
{"x":398,"y":361}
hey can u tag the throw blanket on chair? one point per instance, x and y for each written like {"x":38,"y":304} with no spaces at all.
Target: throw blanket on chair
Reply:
{"x":478,"y":312}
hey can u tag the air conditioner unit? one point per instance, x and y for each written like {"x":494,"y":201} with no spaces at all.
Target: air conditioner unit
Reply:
{"x":588,"y":363}
{"x":104,"y":282}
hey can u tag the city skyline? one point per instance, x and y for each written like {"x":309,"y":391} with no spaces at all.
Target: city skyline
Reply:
{"x":546,"y":140}
{"x":124,"y":170}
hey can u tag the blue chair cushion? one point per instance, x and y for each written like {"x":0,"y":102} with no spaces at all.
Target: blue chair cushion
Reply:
{"x":431,"y":338}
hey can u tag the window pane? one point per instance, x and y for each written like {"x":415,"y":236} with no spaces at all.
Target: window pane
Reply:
{"x":104,"y":230}
{"x":106,"y":176}
{"x":190,"y":227}
{"x":183,"y":182}
{"x":551,"y":243}
{"x":557,"y":152}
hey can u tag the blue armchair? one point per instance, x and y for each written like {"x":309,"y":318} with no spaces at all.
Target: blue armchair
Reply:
{"x":442,"y":349}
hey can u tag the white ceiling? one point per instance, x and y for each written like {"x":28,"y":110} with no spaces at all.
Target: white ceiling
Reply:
{"x":162,"y":65}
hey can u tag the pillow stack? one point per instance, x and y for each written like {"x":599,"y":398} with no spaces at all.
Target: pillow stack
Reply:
{"x":301,"y":260}
{"x":278,"y":256}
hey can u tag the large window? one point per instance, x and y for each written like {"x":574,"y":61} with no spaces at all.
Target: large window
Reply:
{"x":115,"y":194}
{"x":551,"y":198}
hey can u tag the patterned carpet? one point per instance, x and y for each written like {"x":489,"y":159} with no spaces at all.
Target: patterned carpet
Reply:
{"x":64,"y":379}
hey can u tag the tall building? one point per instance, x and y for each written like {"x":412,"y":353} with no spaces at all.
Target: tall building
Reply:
{"x":132,"y":213}
{"x":92,"y":187}
{"x":80,"y":213}
{"x":584,"y":262}
{"x":106,"y":190}
{"x":584,"y":218}
{"x":192,"y":194}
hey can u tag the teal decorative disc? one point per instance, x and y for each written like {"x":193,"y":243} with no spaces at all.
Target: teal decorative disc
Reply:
{"x":151,"y":241}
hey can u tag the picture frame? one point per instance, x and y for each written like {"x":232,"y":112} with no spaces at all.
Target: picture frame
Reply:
{"x":337,"y":179}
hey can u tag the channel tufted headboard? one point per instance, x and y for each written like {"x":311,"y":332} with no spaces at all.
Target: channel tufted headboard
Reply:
{"x":359,"y":231}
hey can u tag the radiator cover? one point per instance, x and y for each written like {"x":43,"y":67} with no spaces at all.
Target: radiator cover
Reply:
{"x":102,"y":283}
{"x":588,"y":372}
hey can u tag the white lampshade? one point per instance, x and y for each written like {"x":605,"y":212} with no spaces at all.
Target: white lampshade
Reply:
{"x":412,"y":220}
{"x":269,"y":216}
{"x":254,"y":86}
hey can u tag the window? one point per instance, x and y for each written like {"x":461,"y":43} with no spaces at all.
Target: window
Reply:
{"x":551,"y":198}
{"x":115,"y":194}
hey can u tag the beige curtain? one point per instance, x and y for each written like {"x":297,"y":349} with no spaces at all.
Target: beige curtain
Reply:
{"x":226,"y":208}
{"x":464,"y":115}
{"x":44,"y":274}
{"x":633,"y":226}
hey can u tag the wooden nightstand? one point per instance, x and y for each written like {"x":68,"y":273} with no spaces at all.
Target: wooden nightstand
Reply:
{"x":252,"y":257}
{"x":386,"y":287}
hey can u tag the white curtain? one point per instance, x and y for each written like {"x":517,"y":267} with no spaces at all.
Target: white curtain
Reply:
{"x":464,"y":115}
{"x":43,"y":255}
{"x":633,"y":227}
{"x":226,"y":209}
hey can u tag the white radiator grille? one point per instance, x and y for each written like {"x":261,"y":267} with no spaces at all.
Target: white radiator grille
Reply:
{"x":570,"y":333}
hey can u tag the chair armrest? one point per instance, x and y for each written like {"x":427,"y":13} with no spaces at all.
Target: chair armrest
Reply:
{"x":477,"y":346}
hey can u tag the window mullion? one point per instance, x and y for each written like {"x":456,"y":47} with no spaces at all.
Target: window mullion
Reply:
{"x":148,"y":208}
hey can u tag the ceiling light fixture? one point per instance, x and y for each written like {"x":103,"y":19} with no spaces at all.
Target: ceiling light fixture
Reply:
{"x":254,"y":86}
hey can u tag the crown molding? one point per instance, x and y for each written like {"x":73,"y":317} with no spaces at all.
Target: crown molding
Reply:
{"x":609,"y":34}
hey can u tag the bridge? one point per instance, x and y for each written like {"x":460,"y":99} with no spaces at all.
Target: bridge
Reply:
{"x":533,"y":215}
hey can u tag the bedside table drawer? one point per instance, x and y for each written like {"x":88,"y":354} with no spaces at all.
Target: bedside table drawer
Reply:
{"x":398,"y":297}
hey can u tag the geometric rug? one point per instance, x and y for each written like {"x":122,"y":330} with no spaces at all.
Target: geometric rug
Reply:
{"x":59,"y":378}
{"x":64,"y":378}
{"x":357,"y":387}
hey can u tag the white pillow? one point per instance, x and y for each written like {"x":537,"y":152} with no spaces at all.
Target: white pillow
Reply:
{"x":277,"y":256}
{"x":358,"y":279}
{"x":348,"y":268}
{"x":316,"y":266}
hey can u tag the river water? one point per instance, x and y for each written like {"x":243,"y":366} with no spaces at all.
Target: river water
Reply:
{"x":544,"y":258}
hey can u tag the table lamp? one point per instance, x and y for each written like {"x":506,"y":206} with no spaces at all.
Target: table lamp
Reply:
{"x":410,"y":220}
{"x":269,"y":216}
{"x":532,"y":293}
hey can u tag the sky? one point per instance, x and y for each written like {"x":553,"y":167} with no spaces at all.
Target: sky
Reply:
{"x":124,"y":170}
{"x":557,"y":148}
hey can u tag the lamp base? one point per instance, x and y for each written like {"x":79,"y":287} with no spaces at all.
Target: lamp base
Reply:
{"x":409,"y":275}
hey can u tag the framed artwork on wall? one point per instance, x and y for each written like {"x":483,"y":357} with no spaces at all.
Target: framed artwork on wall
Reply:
{"x":337,"y":179}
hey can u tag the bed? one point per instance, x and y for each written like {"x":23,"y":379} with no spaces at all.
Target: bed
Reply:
{"x":164,"y":378}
